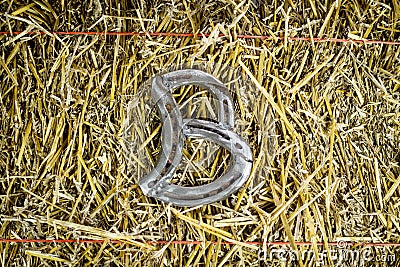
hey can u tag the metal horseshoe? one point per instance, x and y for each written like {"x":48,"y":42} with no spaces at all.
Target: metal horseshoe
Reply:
{"x":175,"y":129}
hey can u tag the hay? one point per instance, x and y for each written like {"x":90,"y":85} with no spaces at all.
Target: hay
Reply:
{"x":63,"y":174}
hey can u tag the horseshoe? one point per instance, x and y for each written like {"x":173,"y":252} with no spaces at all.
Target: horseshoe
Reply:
{"x":175,"y":129}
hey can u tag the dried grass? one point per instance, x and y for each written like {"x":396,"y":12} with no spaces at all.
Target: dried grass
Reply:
{"x":336,"y":174}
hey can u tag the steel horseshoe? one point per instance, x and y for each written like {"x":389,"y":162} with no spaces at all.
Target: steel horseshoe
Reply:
{"x":175,"y":129}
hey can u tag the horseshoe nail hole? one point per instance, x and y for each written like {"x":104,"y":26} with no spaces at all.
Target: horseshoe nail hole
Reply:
{"x":168,"y":107}
{"x":151,"y":184}
{"x":238,"y":146}
{"x":225,"y":102}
